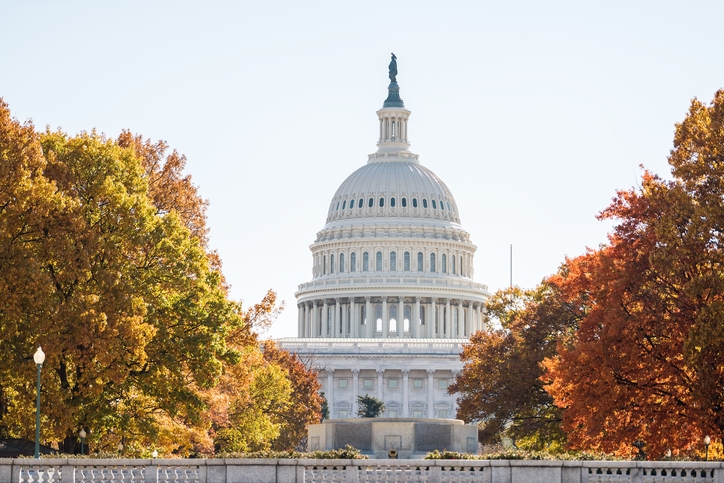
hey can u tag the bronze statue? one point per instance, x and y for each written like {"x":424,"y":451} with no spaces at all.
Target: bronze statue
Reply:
{"x":393,"y":68}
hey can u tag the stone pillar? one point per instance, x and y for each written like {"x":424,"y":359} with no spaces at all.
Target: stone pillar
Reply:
{"x":461,"y":319}
{"x":470,"y":320}
{"x":330,"y":392}
{"x":337,"y":318}
{"x":355,"y":391}
{"x":300,"y":327}
{"x":405,"y":393}
{"x":480,"y":316}
{"x":325,"y":319}
{"x":431,"y":318}
{"x":401,"y":318}
{"x":354,"y":319}
{"x":315,"y":322}
{"x":307,"y":332}
{"x":385,"y":319}
{"x":430,"y":394}
{"x":415,"y":319}
{"x":448,"y":320}
{"x":380,"y":381}
{"x":370,"y":316}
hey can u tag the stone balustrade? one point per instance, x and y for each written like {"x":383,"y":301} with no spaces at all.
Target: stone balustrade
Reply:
{"x":28,"y":470}
{"x":372,"y":346}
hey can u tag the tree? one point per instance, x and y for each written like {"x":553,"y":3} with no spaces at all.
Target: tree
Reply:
{"x":646,"y":359}
{"x":369,"y":407}
{"x":324,"y":414}
{"x":500,"y":385}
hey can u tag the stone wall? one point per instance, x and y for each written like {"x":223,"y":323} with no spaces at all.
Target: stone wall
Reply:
{"x":28,"y":470}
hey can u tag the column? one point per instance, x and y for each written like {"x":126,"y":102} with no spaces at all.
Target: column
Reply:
{"x":355,"y":391}
{"x":415,"y":316}
{"x":380,"y":381}
{"x":337,"y":317}
{"x":315,"y":321}
{"x":307,"y":332}
{"x":385,"y":319}
{"x":325,"y":319}
{"x":448,"y":320}
{"x":454,"y":404}
{"x":300,"y":328}
{"x":401,"y":318}
{"x":480,"y":316}
{"x":430,"y":394}
{"x":461,"y":319}
{"x":354,"y":319}
{"x":470,"y":320}
{"x":330,"y":392}
{"x":369,"y":316}
{"x":405,"y":393}
{"x":431,"y":317}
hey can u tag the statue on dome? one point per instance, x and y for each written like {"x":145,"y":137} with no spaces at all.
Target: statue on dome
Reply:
{"x":393,"y":68}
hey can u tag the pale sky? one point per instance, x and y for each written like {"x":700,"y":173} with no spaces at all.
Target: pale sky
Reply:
{"x":532,"y":112}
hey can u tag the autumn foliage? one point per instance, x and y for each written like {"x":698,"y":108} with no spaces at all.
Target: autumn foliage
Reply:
{"x":104,"y":263}
{"x":642,"y":360}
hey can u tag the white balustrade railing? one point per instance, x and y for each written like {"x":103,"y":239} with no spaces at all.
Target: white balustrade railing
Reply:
{"x":354,"y":471}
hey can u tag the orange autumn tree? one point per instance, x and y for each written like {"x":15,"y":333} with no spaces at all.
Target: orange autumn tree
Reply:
{"x":646,"y":362}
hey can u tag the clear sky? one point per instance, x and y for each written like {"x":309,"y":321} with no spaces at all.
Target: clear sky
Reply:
{"x":533,"y":112}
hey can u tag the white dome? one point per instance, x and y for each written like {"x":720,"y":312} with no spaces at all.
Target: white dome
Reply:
{"x":390,"y":189}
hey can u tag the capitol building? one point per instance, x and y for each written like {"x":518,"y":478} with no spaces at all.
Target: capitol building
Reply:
{"x":392,"y":297}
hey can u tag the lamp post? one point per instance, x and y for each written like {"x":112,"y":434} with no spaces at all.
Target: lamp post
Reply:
{"x":39,"y":358}
{"x":707,"y":442}
{"x":82,"y":435}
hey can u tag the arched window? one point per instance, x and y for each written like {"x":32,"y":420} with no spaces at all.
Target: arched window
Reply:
{"x":406,"y":262}
{"x":337,"y":206}
{"x":344,"y":204}
{"x":393,"y":318}
{"x":382,"y":202}
{"x":392,"y":202}
{"x":432,"y":262}
{"x":444,"y":263}
{"x":365,"y":262}
{"x":371,"y":203}
{"x":393,"y":261}
{"x":331,"y":264}
{"x":361,"y":202}
{"x":378,"y":318}
{"x":453,"y":265}
{"x":434,"y":206}
{"x":353,"y":262}
{"x":378,"y":262}
{"x":422,"y":315}
{"x":420,"y":263}
{"x":406,"y":319}
{"x":442,"y":205}
{"x":341,"y":263}
{"x":324,"y":270}
{"x":404,"y":202}
{"x":424,"y":203}
{"x":351,"y":203}
{"x":448,"y":206}
{"x":414,"y":202}
{"x":461,"y":266}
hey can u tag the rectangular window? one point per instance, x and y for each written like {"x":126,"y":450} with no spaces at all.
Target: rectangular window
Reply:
{"x":342,"y":383}
{"x":392,"y":383}
{"x":442,"y":383}
{"x":368,"y":384}
{"x":392,"y":413}
{"x":417,"y":413}
{"x":442,"y":413}
{"x":343,"y":413}
{"x":420,"y":264}
{"x":417,"y":383}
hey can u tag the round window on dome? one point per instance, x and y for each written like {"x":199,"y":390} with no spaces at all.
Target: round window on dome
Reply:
{"x":361,"y":202}
{"x":382,"y":202}
{"x":351,"y":203}
{"x":414,"y":202}
{"x":371,"y":203}
{"x":424,"y":203}
{"x":442,"y":205}
{"x":344,"y":205}
{"x":434,"y":206}
{"x":404,"y":202}
{"x":392,"y":202}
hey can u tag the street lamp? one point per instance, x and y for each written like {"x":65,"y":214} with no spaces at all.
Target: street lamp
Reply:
{"x":120,"y":447}
{"x":82,"y":435}
{"x":39,"y":358}
{"x":707,"y":442}
{"x":154,"y":454}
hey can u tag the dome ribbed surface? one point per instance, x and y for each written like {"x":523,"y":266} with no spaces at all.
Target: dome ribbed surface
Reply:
{"x":407,"y":189}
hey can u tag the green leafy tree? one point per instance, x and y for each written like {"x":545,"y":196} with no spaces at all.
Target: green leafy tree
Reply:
{"x":325,"y":407}
{"x":369,"y":407}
